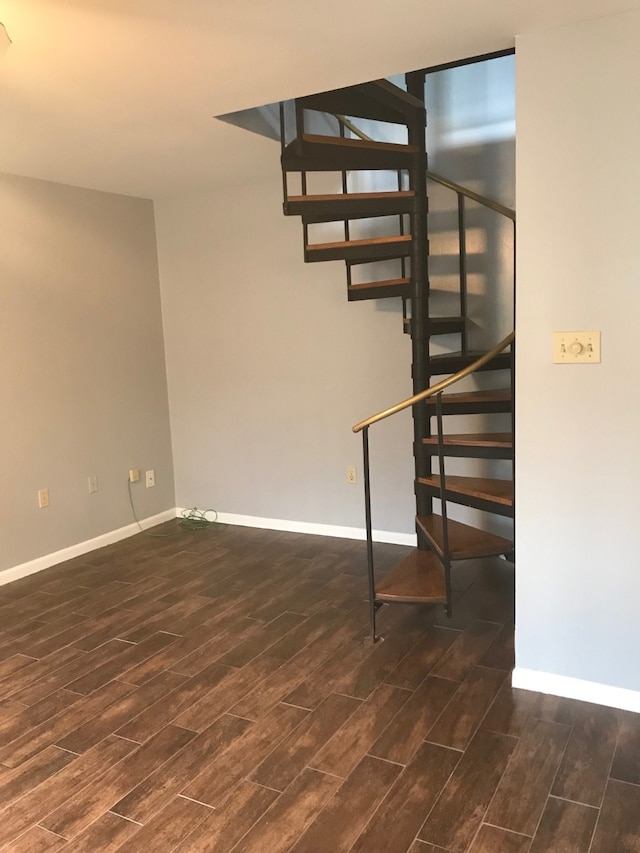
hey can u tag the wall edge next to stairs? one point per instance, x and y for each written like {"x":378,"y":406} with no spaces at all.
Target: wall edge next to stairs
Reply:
{"x":576,"y":688}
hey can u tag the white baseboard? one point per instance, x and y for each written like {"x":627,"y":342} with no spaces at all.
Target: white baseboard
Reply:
{"x":48,"y":560}
{"x":315,"y":529}
{"x":576,"y":688}
{"x":81,"y":548}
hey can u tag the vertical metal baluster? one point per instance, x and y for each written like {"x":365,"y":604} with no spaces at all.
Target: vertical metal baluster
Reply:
{"x":462,"y":238}
{"x":446,"y":553}
{"x":285,"y":186}
{"x":403,"y":260}
{"x":367,"y":511}
{"x":345,"y":190}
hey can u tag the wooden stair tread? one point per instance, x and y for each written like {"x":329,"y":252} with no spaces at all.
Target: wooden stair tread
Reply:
{"x":369,"y":241}
{"x":465,"y":542}
{"x":386,"y":283}
{"x":379,"y":100}
{"x":387,"y":289}
{"x":341,"y":206}
{"x":466,"y":397}
{"x":316,"y":153}
{"x":330,"y":197}
{"x":363,"y":251}
{"x":479,"y":439}
{"x":484,"y":488}
{"x":418,"y":579}
{"x":451,"y":362}
{"x":345,"y":143}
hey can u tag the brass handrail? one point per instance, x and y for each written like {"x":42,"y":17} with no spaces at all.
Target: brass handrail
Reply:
{"x":483,"y":200}
{"x":439,"y":386}
{"x":432,"y":176}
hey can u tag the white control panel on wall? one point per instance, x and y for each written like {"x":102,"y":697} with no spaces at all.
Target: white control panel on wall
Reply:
{"x":576,"y":347}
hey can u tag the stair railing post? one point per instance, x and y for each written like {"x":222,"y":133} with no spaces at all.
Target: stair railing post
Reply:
{"x":369,"y":532}
{"x":462,"y":243}
{"x":446,"y":551}
{"x":421,"y":372}
{"x":285,"y":184}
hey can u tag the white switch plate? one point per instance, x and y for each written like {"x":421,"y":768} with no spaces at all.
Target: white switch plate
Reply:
{"x":150,"y":478}
{"x":576,"y":347}
{"x":93,"y":485}
{"x":43,"y":498}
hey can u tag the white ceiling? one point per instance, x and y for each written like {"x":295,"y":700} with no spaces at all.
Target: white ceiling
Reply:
{"x":120,"y":95}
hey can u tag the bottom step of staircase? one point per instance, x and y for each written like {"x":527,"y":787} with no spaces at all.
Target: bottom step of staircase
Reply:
{"x":465,"y":542}
{"x":418,"y":579}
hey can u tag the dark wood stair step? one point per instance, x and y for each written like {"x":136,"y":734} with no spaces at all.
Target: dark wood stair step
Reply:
{"x":418,"y":579}
{"x":440,"y":325}
{"x":379,"y":100}
{"x":372,"y":249}
{"x":474,"y":402}
{"x":329,"y":208}
{"x":479,"y":492}
{"x":465,"y":542}
{"x":484,"y":445}
{"x":452,"y":362}
{"x":379,"y":289}
{"x":313,"y":153}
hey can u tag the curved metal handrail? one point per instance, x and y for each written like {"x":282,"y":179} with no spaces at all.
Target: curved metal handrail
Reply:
{"x":433,"y":176}
{"x":438,"y":387}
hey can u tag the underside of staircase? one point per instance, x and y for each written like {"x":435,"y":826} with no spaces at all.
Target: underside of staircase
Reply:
{"x":424,"y":576}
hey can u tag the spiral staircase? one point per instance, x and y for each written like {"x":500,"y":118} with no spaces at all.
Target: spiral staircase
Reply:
{"x":396,"y":264}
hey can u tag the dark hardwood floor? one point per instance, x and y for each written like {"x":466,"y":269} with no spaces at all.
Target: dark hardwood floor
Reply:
{"x":211,"y":691}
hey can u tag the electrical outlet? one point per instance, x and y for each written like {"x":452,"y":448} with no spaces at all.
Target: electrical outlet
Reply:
{"x":352,"y":474}
{"x":150,"y":478}
{"x":93,"y":485}
{"x":134,"y":475}
{"x":43,"y":498}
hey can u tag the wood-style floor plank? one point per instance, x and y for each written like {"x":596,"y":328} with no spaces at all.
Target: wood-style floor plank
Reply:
{"x":404,"y":734}
{"x":216,"y":690}
{"x":217,"y":780}
{"x":295,"y":752}
{"x":349,"y":810}
{"x":168,"y":829}
{"x":80,"y":811}
{"x":524,"y":788}
{"x":626,"y":761}
{"x":490,"y":839}
{"x":467,"y":651}
{"x":458,"y":722}
{"x":287,"y":819}
{"x":52,"y":794}
{"x":222,"y":828}
{"x":458,"y":813}
{"x":396,"y":822}
{"x":618,"y":826}
{"x":582,"y":775}
{"x":354,"y":739}
{"x":565,"y":827}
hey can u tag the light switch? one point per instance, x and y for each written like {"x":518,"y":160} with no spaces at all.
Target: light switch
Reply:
{"x":576,"y":347}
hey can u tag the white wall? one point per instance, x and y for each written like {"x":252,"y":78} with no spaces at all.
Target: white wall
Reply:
{"x":578,"y":458}
{"x":82,"y":375}
{"x":269,"y":366}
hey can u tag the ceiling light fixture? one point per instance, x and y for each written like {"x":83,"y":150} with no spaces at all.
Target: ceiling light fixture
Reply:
{"x":5,"y":41}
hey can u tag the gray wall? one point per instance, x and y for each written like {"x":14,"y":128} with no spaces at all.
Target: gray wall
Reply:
{"x":269,"y":366}
{"x":578,"y":175}
{"x":82,"y":375}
